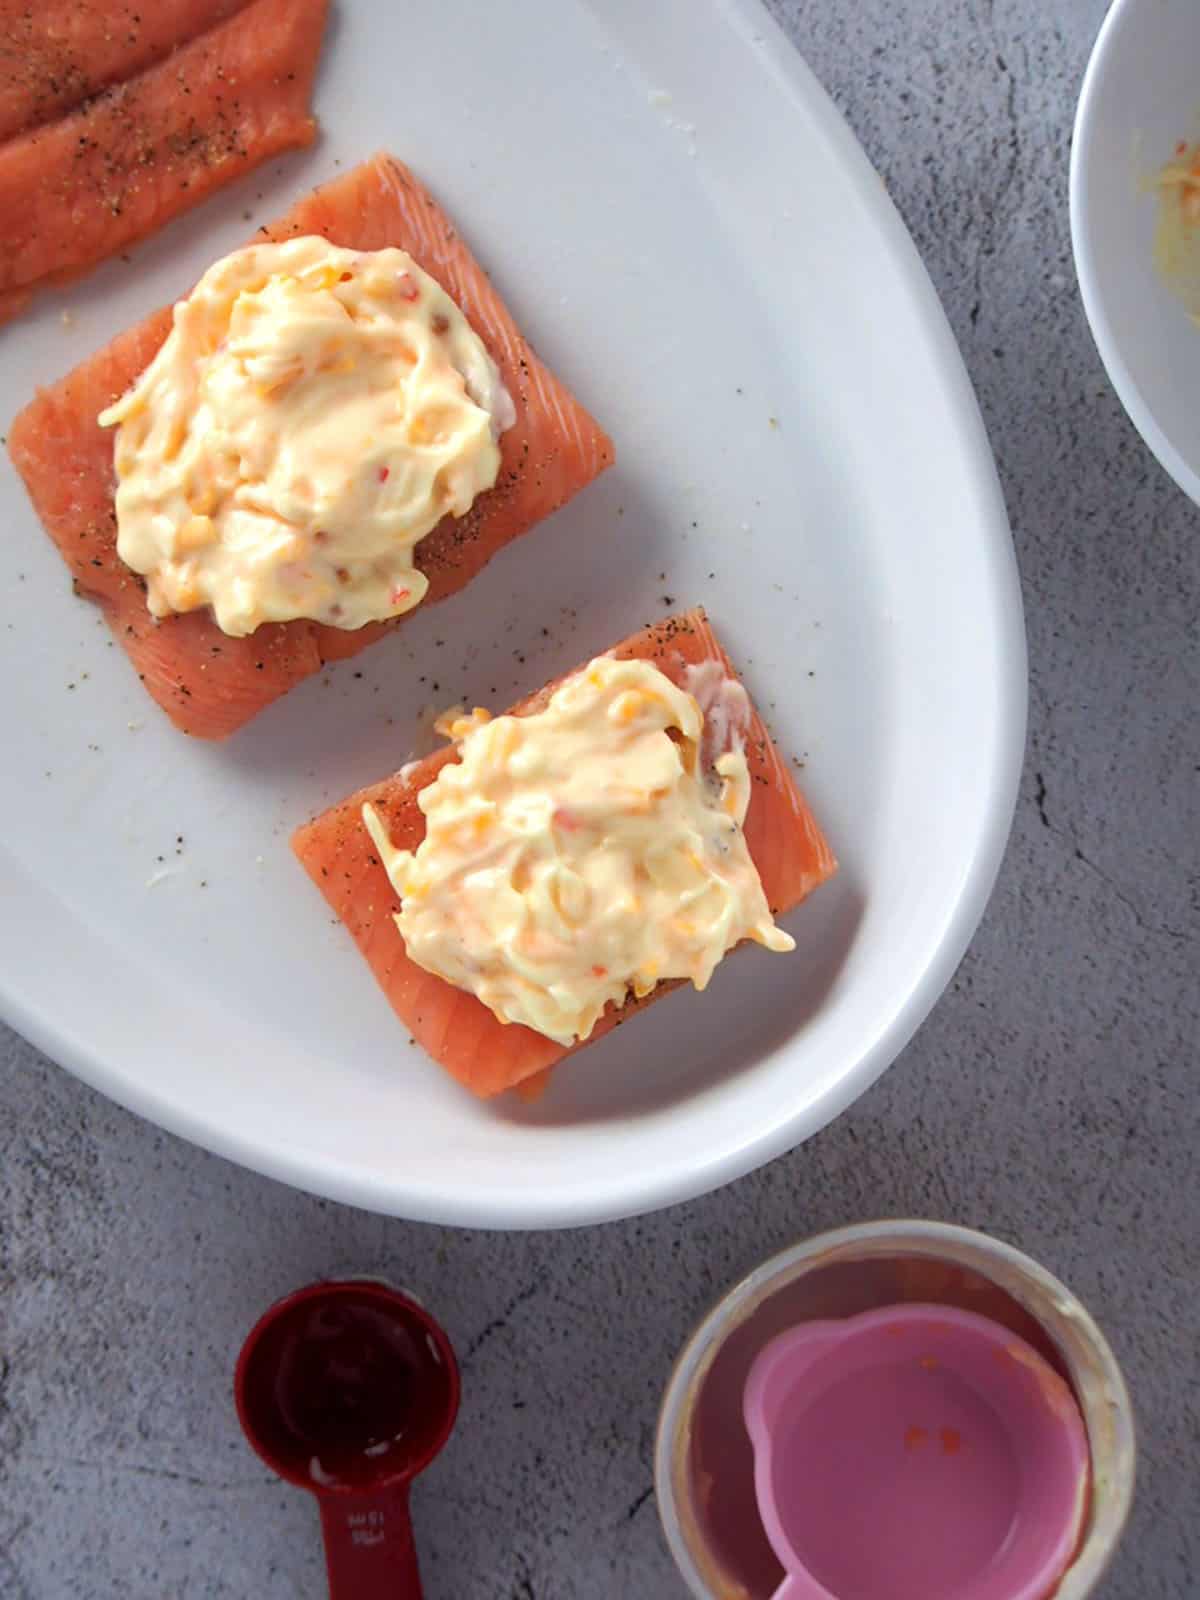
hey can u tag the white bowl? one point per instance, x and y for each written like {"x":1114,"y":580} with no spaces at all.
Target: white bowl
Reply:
{"x":1140,"y":97}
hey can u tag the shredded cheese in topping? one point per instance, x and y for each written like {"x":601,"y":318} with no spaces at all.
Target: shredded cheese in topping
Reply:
{"x":312,"y":415}
{"x":580,"y":853}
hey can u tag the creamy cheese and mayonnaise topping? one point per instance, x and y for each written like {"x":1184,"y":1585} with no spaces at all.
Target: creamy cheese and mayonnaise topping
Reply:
{"x":581,"y":852}
{"x":313,"y":413}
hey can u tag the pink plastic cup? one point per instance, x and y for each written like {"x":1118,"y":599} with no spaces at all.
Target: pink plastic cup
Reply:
{"x":915,"y":1452}
{"x":705,"y":1460}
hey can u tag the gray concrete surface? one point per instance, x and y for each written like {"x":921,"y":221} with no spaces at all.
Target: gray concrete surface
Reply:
{"x":1051,"y":1099}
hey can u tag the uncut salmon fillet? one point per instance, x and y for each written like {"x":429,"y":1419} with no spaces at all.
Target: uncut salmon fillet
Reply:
{"x":58,"y":53}
{"x":208,"y":683}
{"x":459,"y":1032}
{"x":93,"y":182}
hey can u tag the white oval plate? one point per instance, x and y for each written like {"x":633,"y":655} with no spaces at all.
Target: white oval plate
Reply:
{"x":710,"y":261}
{"x":1140,"y":96}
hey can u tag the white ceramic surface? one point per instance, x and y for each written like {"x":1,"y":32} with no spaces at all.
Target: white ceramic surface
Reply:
{"x":709,"y":260}
{"x":1140,"y":97}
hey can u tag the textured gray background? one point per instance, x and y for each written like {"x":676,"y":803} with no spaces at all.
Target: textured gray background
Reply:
{"x":1051,"y":1099}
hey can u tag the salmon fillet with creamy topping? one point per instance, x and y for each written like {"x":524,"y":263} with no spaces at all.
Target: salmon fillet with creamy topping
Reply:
{"x":209,"y":683}
{"x":457,"y":1029}
{"x":86,"y":185}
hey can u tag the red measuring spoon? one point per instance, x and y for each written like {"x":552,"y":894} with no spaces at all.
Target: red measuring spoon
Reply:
{"x":349,"y":1390}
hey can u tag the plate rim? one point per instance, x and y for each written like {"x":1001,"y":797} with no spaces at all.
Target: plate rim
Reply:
{"x":636,"y":1194}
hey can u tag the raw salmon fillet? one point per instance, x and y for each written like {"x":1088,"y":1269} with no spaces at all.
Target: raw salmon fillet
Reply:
{"x":95,"y":181}
{"x":458,"y":1030}
{"x":208,"y":683}
{"x":58,"y":53}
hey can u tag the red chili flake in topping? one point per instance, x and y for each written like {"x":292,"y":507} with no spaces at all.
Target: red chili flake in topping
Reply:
{"x":599,"y":972}
{"x":441,"y":323}
{"x":399,"y":595}
{"x":345,"y":277}
{"x":566,"y":820}
{"x":406,"y":287}
{"x":343,"y":575}
{"x":384,"y":473}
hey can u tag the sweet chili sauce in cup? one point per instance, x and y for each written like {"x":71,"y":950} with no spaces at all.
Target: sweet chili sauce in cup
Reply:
{"x":349,"y":1390}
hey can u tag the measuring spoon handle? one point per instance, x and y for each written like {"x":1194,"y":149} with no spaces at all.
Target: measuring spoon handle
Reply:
{"x":369,"y":1548}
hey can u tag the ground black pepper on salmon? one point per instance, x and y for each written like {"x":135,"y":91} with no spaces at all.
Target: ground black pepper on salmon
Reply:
{"x":91,"y":182}
{"x":55,"y":55}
